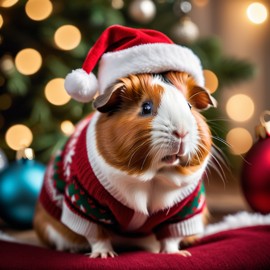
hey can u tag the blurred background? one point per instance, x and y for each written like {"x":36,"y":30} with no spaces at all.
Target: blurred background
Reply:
{"x":41,"y":41}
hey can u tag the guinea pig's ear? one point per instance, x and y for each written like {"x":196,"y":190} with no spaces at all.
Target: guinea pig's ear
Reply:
{"x":201,"y":99}
{"x":110,"y":100}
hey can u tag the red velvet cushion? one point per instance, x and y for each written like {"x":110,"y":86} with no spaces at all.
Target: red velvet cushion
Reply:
{"x":246,"y":248}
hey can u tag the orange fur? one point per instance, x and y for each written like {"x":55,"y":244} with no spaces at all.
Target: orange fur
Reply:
{"x":196,"y":95}
{"x":41,"y":222}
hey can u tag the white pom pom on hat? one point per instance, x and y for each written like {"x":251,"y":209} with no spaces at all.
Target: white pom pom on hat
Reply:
{"x":80,"y":85}
{"x":121,"y":51}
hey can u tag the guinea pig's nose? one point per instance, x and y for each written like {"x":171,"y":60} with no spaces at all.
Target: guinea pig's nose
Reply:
{"x":179,"y":135}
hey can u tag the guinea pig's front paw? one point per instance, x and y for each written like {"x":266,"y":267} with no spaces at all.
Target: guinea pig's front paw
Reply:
{"x":171,"y":246}
{"x":103,"y":254}
{"x":102,"y":249}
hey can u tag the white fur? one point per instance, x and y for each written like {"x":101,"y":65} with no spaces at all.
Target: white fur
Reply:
{"x":80,"y":85}
{"x":148,"y":58}
{"x":102,"y":248}
{"x":170,"y":245}
{"x":173,"y":115}
{"x":6,"y":237}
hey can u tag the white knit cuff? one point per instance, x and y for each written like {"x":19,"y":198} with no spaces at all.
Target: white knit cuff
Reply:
{"x":193,"y":225}
{"x":78,"y":224}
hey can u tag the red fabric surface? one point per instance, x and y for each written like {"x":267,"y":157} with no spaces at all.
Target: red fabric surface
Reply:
{"x":246,"y":248}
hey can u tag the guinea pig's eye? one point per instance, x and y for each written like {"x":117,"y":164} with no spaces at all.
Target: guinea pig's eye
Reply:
{"x":189,"y":105}
{"x":147,"y":108}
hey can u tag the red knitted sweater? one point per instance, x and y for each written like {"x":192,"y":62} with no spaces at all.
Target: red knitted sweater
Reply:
{"x":72,"y":193}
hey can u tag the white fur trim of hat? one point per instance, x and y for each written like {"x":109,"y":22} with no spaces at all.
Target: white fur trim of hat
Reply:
{"x":121,"y":51}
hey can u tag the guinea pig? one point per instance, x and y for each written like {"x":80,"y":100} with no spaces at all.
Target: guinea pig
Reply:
{"x":134,"y":168}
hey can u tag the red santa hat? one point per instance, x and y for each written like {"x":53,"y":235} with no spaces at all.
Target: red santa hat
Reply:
{"x":121,"y":51}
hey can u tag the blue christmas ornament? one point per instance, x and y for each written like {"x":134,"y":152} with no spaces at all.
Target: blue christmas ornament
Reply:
{"x":20,"y":184}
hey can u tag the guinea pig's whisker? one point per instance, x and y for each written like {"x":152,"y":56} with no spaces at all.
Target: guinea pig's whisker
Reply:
{"x":197,"y":155}
{"x":213,"y":123}
{"x":197,"y":93}
{"x":158,"y":152}
{"x":213,"y":120}
{"x":215,"y":164}
{"x":222,"y":140}
{"x":220,"y":173}
{"x":146,"y":157}
{"x":207,"y":171}
{"x":134,"y":151}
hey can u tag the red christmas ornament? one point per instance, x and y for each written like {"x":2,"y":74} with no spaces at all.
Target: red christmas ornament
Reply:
{"x":256,"y":170}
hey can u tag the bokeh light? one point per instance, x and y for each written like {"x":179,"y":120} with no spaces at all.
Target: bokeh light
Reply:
{"x":240,"y":107}
{"x":18,"y":137}
{"x":67,"y":127}
{"x":7,"y":64}
{"x":257,"y":13}
{"x":67,"y":37}
{"x":1,"y":21}
{"x":142,"y":10}
{"x":28,"y":61}
{"x":38,"y":10}
{"x":55,"y":92}
{"x":8,"y":3}
{"x":240,"y":140}
{"x":211,"y":80}
{"x":200,"y":3}
{"x":117,"y":4}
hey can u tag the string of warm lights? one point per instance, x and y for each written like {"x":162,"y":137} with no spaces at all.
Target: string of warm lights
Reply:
{"x":28,"y":61}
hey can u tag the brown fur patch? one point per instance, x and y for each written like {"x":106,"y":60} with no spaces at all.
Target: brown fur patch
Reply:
{"x":41,"y":222}
{"x":197,"y":96}
{"x":124,"y":137}
{"x":181,"y":80}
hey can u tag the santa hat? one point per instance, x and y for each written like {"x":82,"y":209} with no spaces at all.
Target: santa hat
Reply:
{"x":121,"y":51}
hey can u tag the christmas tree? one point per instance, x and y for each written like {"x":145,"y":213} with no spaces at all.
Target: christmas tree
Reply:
{"x":42,"y":40}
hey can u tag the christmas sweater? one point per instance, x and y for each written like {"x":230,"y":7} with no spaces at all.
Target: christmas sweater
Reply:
{"x":73,"y":194}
